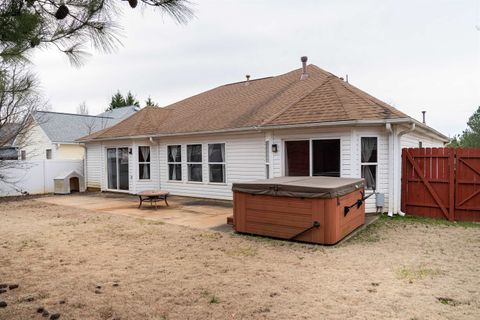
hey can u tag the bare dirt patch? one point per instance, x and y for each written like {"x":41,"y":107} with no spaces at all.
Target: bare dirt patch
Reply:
{"x":84,"y":264}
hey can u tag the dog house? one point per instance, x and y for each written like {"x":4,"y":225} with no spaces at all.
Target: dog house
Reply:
{"x":310,"y":209}
{"x":69,"y":182}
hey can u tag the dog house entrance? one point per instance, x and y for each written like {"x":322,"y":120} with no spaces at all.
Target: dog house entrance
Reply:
{"x":74,"y":184}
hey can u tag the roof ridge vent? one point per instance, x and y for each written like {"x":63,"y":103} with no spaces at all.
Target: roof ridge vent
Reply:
{"x":304,"y":68}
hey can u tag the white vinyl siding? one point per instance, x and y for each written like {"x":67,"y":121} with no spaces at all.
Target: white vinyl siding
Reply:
{"x":244,"y":161}
{"x":94,"y":165}
{"x":412,"y":140}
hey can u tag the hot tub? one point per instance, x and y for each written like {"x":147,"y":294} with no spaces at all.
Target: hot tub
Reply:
{"x":310,"y":209}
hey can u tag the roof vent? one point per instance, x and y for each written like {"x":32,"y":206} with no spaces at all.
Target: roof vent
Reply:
{"x":423,"y":115}
{"x":304,"y":68}
{"x":248,"y":80}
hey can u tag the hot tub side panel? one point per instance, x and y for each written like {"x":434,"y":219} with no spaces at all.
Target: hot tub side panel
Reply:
{"x":279,"y":217}
{"x":337,"y":224}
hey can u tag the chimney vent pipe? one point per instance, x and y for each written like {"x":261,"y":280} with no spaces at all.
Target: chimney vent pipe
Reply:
{"x":423,"y":114}
{"x":248,"y":79}
{"x":304,"y":68}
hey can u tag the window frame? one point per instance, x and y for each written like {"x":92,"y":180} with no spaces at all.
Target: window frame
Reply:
{"x":144,"y":163}
{"x":267,"y":159}
{"x":189,"y":163}
{"x":174,"y":163}
{"x":310,"y":148}
{"x":312,"y":155}
{"x":376,"y":164}
{"x":224,"y":163}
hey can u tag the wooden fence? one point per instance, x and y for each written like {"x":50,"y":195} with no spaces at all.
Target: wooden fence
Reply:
{"x":441,"y":183}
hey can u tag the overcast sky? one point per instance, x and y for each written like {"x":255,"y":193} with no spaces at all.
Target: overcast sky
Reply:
{"x":415,"y":55}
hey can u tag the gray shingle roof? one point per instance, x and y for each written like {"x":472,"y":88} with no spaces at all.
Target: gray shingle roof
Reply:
{"x":68,"y":127}
{"x":8,"y":133}
{"x":120,"y":113}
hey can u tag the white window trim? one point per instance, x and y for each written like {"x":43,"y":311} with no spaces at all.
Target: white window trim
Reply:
{"x":268,"y":159}
{"x":173,"y":162}
{"x":369,"y":163}
{"x":105,"y":150}
{"x":144,"y":162}
{"x":224,"y":163}
{"x":189,"y":162}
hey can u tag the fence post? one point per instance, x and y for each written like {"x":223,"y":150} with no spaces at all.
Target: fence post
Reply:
{"x":451,"y":164}
{"x":403,"y":182}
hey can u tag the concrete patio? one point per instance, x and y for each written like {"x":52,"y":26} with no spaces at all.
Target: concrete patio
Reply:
{"x":185,"y":211}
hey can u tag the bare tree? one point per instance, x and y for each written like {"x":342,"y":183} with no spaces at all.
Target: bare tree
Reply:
{"x":82,"y":108}
{"x":18,"y":100}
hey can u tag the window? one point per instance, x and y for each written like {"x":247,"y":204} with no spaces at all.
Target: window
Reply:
{"x":174,"y":159}
{"x":144,"y":163}
{"x":194,"y":162}
{"x":420,"y":144}
{"x":267,"y":159}
{"x":326,"y":158}
{"x":297,"y":158}
{"x":48,"y":154}
{"x":216,"y":162}
{"x":369,"y":161}
{"x":23,"y":155}
{"x":312,"y":158}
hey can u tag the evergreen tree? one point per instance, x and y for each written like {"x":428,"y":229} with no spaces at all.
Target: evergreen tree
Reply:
{"x":130,"y":100}
{"x":119,"y":101}
{"x":150,"y":103}
{"x":70,"y":26}
{"x":470,"y":137}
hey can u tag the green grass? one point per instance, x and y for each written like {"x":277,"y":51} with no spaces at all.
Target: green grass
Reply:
{"x":245,"y":251}
{"x":372,"y":233}
{"x":414,"y":273}
{"x":429,"y":221}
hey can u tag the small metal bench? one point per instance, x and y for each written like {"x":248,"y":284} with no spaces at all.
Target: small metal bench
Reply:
{"x":153,"y":196}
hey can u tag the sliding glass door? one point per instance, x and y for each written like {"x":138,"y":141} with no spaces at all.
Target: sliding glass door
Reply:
{"x":117,"y":168}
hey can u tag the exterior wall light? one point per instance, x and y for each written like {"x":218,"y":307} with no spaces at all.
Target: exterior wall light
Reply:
{"x":274,"y":148}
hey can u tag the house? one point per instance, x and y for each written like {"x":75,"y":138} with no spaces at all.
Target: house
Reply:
{"x":305,"y":122}
{"x":52,"y":134}
{"x":8,"y":134}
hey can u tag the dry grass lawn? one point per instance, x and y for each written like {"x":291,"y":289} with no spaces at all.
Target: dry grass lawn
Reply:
{"x":88,"y":265}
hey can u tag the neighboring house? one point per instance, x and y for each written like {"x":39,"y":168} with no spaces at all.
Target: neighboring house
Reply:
{"x":53,"y":135}
{"x":8,"y":150}
{"x":305,"y":122}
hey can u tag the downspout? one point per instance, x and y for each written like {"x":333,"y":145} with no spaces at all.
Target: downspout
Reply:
{"x":85,"y":182}
{"x":398,"y":169}
{"x":391,"y":183}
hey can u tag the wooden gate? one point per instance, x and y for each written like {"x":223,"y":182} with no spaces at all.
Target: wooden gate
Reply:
{"x":441,"y":183}
{"x":467,"y":184}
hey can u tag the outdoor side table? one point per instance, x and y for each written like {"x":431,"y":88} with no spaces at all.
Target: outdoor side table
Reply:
{"x":153,"y":196}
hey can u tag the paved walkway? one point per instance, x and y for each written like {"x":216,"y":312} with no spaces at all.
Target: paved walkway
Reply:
{"x":190,"y":212}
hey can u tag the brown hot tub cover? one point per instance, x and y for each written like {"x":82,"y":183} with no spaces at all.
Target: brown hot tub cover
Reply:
{"x":302,"y":187}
